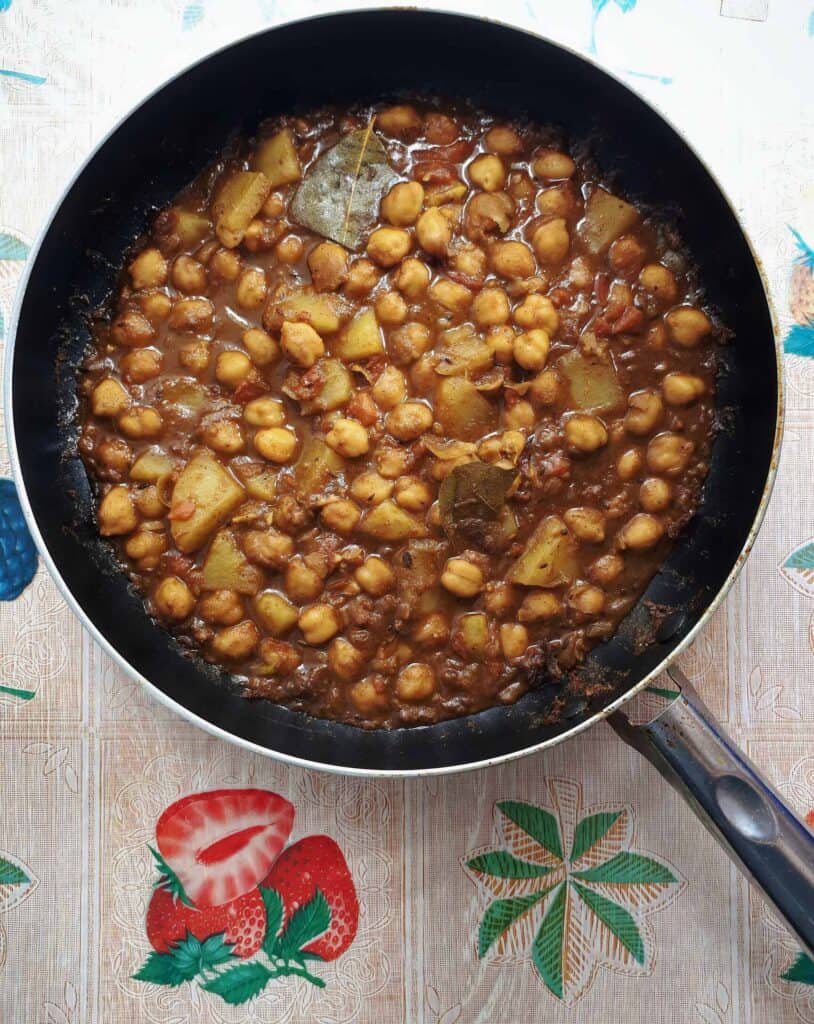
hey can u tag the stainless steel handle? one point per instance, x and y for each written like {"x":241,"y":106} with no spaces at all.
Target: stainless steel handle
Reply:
{"x":771,"y":846}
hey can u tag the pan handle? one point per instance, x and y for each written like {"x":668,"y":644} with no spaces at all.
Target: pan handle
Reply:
{"x":742,"y":811}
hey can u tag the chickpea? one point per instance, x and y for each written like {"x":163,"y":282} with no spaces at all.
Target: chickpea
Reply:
{"x":194,"y":315}
{"x":301,"y":343}
{"x":402,"y":120}
{"x":145,"y":545}
{"x":232,"y":367}
{"x":140,"y":365}
{"x":391,"y":462}
{"x":109,"y":398}
{"x":261,"y":235}
{"x":551,"y":164}
{"x":520,"y":416}
{"x":277,"y":615}
{"x":363,"y":276}
{"x":487,"y":172}
{"x":225,"y":265}
{"x":402,"y":204}
{"x":629,"y":464}
{"x":132,"y":329}
{"x":551,"y":241}
{"x":439,"y":129}
{"x":645,"y":411}
{"x":606,"y":569}
{"x":173,"y":598}
{"x":505,"y":447}
{"x":531,"y":349}
{"x":148,"y":269}
{"x":539,"y":606}
{"x":503,"y":140}
{"x":491,"y":307}
{"x":415,"y":682}
{"x":268,"y":548}
{"x":462,"y":578}
{"x":236,"y":642}
{"x":413,"y":494}
{"x":371,"y":488}
{"x":221,"y":608}
{"x":423,"y":377}
{"x":586,"y":600}
{"x":341,"y":516}
{"x":148,"y":502}
{"x":277,"y":444}
{"x":289,"y":249}
{"x":409,"y":342}
{"x":434,"y":232}
{"x":500,"y":340}
{"x":388,"y":246}
{"x":348,"y":438}
{"x":328,"y":263}
{"x":457,"y":298}
{"x":115,"y":454}
{"x":223,"y":436}
{"x":545,"y":388}
{"x":554,"y":202}
{"x":375,"y":576}
{"x":584,"y":433}
{"x":682,"y":388}
{"x":318,"y":623}
{"x":626,"y":255}
{"x":301,"y":582}
{"x":389,"y":388}
{"x":264,"y":412}
{"x":117,"y":514}
{"x":514,"y":640}
{"x":188,"y":275}
{"x":586,"y":524}
{"x":668,"y":454}
{"x":252,"y":288}
{"x":655,"y":494}
{"x":641,"y":532}
{"x":156,"y":306}
{"x":432,"y":630}
{"x":141,"y":421}
{"x":409,"y":420}
{"x":537,"y":311}
{"x":274,"y":206}
{"x":687,"y":326}
{"x":656,"y":279}
{"x":511,"y":259}
{"x":279,"y":657}
{"x":344,"y":660}
{"x":195,"y":355}
{"x":369,"y":695}
{"x":468,"y":260}
{"x":412,"y":278}
{"x":391,"y":309}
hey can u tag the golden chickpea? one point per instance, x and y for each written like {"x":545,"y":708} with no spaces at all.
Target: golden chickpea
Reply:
{"x":132,"y":329}
{"x":232,"y":367}
{"x":415,"y":682}
{"x":413,"y":494}
{"x":554,"y":202}
{"x":156,"y":306}
{"x":341,"y":516}
{"x":491,"y":307}
{"x":539,"y":606}
{"x":641,"y":532}
{"x":369,"y":695}
{"x":225,"y":265}
{"x":264,"y":412}
{"x":115,"y":454}
{"x":268,"y":548}
{"x":188,"y":275}
{"x":409,"y":420}
{"x":655,"y":494}
{"x":289,"y":249}
{"x":221,"y":608}
{"x":149,"y":503}
{"x":531,"y":349}
{"x":629,"y":464}
{"x":545,"y":388}
{"x":195,"y":315}
{"x":344,"y":660}
{"x":109,"y":398}
{"x":500,"y":599}
{"x":659,"y":282}
{"x":503,"y":140}
{"x":274,"y":206}
{"x":391,"y":462}
{"x":511,"y":260}
{"x":375,"y":576}
{"x":236,"y":642}
{"x":668,"y":454}
{"x":687,"y":326}
{"x":140,"y":365}
{"x":277,"y":444}
{"x":423,"y":377}
{"x":262,"y":348}
{"x":520,"y":416}
{"x":606,"y":569}
{"x":391,"y":309}
{"x":141,"y":421}
{"x":252,"y":288}
{"x":148,"y":269}
{"x":389,"y":388}
{"x":173,"y":598}
{"x":261,"y":235}
{"x":434,"y":232}
{"x":514,"y":640}
{"x":301,"y":582}
{"x":457,"y":298}
{"x":462,"y":578}
{"x":585,"y":433}
{"x":402,"y":204}
{"x":487,"y":172}
{"x":553,"y":165}
{"x":276,"y":614}
{"x":537,"y":311}
{"x":682,"y":388}
{"x":432,"y":630}
{"x":117,"y":514}
{"x":388,"y":246}
{"x":348,"y":438}
{"x":318,"y":623}
{"x":371,"y":488}
{"x":644,"y":412}
{"x":401,"y":120}
{"x":363,"y":276}
{"x":500,"y":340}
{"x":551,"y":241}
{"x":586,"y":600}
{"x":301,"y":343}
{"x":586,"y":524}
{"x":505,"y":447}
{"x":195,"y":355}
{"x":412,"y":278}
{"x":279,"y":658}
{"x":409,"y":342}
{"x":223,"y":436}
{"x":145,"y":547}
{"x":328,"y":263}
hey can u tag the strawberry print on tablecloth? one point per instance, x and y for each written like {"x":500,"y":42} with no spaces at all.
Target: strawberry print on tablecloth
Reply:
{"x":233,"y":908}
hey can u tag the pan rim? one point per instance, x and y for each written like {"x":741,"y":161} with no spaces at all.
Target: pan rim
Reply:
{"x":249,"y":745}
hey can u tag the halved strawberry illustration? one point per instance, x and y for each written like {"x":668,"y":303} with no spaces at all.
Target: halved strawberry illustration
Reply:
{"x":221,"y":843}
{"x":242,"y":922}
{"x":317,"y":862}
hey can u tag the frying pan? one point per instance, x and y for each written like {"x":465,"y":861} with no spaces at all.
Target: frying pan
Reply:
{"x":349,"y":57}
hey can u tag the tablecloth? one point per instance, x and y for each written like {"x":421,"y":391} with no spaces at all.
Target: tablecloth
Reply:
{"x":622,"y":907}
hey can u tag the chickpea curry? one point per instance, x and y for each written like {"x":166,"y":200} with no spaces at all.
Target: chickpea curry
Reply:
{"x":396,"y":411}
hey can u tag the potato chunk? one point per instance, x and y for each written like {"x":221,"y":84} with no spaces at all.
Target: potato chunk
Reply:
{"x":549,"y":558}
{"x":150,"y":466}
{"x":237,"y":204}
{"x":316,"y":465}
{"x":606,"y":217}
{"x":335,"y":390}
{"x":277,"y":159}
{"x":389,"y":522}
{"x":204,"y":497}
{"x":361,"y":339}
{"x":463,"y":412}
{"x":592,"y":382}
{"x":227,"y":568}
{"x":321,"y":311}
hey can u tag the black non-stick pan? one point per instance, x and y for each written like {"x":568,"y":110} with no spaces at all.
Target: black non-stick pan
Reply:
{"x":370,"y":55}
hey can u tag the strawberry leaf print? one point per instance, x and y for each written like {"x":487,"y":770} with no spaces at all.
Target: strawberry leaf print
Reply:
{"x":160,"y":969}
{"x":239,"y":984}
{"x":305,"y":924}
{"x":274,"y":918}
{"x":168,"y":879}
{"x":801,"y":970}
{"x":185,"y":961}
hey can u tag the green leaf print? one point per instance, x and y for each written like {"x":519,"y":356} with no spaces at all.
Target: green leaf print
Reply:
{"x":500,"y":915}
{"x":802,"y":558}
{"x":240,"y":983}
{"x":274,"y":918}
{"x":590,"y":829}
{"x":10,"y":874}
{"x":501,"y":864}
{"x":616,"y":919}
{"x":308,"y":922}
{"x":801,"y":970}
{"x":539,"y":824}
{"x":546,"y":951}
{"x":628,"y":869}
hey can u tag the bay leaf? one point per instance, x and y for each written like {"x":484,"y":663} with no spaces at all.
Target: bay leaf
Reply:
{"x":339,"y":196}
{"x":471,"y":500}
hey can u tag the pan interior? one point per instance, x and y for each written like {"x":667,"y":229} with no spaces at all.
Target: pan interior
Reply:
{"x":373,"y":55}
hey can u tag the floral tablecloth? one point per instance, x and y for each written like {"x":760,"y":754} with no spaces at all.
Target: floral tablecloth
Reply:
{"x":572,"y":886}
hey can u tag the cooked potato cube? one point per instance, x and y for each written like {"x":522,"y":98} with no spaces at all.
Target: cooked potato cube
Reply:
{"x":277,"y":159}
{"x":237,"y":204}
{"x":361,"y":339}
{"x":389,"y":522}
{"x":549,"y":558}
{"x":204,"y":497}
{"x":606,"y":217}
{"x":463,"y":412}
{"x":227,"y":568}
